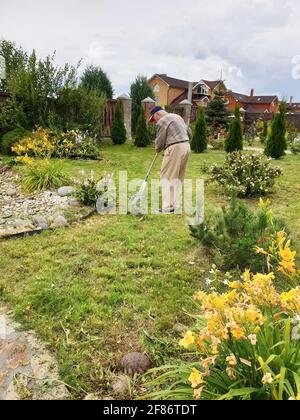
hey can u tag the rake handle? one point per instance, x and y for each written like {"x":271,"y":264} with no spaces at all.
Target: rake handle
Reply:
{"x":151,"y":167}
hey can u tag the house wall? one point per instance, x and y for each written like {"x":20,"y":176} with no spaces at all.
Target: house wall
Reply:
{"x":162,"y":95}
{"x":173,"y":94}
{"x":166,"y":94}
{"x":232,"y":102}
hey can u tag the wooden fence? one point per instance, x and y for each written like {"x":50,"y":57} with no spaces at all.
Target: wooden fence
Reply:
{"x":107,"y":120}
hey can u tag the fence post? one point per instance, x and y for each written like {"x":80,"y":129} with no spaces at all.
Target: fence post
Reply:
{"x":148,"y":104}
{"x":187,"y":110}
{"x":126,"y":103}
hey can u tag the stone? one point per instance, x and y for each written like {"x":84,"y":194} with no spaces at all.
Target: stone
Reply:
{"x":39,"y":220}
{"x":23,"y":223}
{"x":11,"y":192}
{"x":74,"y":202}
{"x":121,"y":387}
{"x":59,"y":222}
{"x":65,"y":191}
{"x":135,"y":363}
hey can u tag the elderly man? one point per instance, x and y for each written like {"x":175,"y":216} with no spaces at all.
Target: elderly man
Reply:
{"x":173,"y":138}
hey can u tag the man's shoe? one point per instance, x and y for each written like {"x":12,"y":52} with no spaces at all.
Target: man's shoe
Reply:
{"x":165,"y":211}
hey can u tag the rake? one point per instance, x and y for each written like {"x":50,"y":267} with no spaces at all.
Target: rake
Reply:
{"x":134,"y":206}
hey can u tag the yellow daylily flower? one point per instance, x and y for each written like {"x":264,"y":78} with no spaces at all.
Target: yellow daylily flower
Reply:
{"x":188,"y":340}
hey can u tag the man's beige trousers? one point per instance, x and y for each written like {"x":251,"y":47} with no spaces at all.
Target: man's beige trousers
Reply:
{"x":173,"y":173}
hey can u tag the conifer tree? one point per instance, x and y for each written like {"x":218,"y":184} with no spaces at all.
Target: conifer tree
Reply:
{"x":217,"y":115}
{"x":276,"y":142}
{"x":118,"y":132}
{"x":142,"y":137}
{"x":199,"y":139}
{"x":234,"y":141}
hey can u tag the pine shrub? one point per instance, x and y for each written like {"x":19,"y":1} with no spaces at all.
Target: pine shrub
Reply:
{"x":231,"y":235}
{"x":276,"y":143}
{"x":142,"y":137}
{"x":199,"y":139}
{"x":234,"y":141}
{"x":118,"y":133}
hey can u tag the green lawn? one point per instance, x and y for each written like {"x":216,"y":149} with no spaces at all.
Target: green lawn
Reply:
{"x":118,"y":283}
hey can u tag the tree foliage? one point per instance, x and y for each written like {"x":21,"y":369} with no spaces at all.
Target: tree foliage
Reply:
{"x":118,"y":134}
{"x":139,"y":90}
{"x":217,"y":115}
{"x":142,"y":136}
{"x":199,"y":139}
{"x":94,"y":78}
{"x":276,"y":142}
{"x":234,"y":141}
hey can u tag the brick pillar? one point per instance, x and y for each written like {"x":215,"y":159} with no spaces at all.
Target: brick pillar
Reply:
{"x":187,"y":110}
{"x":126,"y":103}
{"x":148,"y":104}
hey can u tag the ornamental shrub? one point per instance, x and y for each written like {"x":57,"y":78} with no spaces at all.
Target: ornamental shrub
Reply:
{"x":199,"y":138}
{"x":11,"y":138}
{"x":246,"y":175}
{"x":230,"y":236}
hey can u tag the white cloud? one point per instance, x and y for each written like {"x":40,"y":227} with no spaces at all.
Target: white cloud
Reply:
{"x":253,"y":41}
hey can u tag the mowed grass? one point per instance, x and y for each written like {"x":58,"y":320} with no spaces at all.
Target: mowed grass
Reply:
{"x":115,"y":284}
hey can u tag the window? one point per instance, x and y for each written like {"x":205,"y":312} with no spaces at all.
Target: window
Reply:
{"x":156,"y":89}
{"x":202,"y":90}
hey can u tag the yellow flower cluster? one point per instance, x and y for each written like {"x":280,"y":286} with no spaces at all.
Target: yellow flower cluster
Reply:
{"x":39,"y":144}
{"x":234,"y":316}
{"x":25,"y":160}
{"x":281,"y":254}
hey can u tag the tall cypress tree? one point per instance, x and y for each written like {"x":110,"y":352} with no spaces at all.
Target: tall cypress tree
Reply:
{"x":276,"y":142}
{"x":142,"y":137}
{"x":234,"y":141}
{"x":118,"y":132}
{"x":199,"y":139}
{"x":217,"y":115}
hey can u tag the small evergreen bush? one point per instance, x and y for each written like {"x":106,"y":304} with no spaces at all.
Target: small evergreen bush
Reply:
{"x":142,"y":137}
{"x":234,"y":141}
{"x":118,"y":133}
{"x":199,"y":139}
{"x":276,"y":143}
{"x":231,"y":235}
{"x":11,"y":138}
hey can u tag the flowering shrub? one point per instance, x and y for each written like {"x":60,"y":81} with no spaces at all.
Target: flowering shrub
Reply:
{"x":75,"y":144}
{"x":89,"y":189}
{"x":40,"y":144}
{"x":245,"y":174}
{"x":247,"y":345}
{"x":295,"y":147}
{"x":45,"y":143}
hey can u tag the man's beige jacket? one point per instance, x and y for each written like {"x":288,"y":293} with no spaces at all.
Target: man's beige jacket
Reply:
{"x":171,"y":130}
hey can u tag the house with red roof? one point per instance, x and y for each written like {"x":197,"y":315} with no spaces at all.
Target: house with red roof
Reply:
{"x":171,"y":92}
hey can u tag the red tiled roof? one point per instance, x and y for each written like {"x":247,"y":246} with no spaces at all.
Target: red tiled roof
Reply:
{"x":253,"y":99}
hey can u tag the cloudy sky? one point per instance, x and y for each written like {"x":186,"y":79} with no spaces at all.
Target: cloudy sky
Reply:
{"x":255,"y":42}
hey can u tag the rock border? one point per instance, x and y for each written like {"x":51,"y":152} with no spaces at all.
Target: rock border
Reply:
{"x":38,"y":231}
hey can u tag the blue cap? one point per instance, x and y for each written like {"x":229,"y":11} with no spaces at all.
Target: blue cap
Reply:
{"x":154,"y":111}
